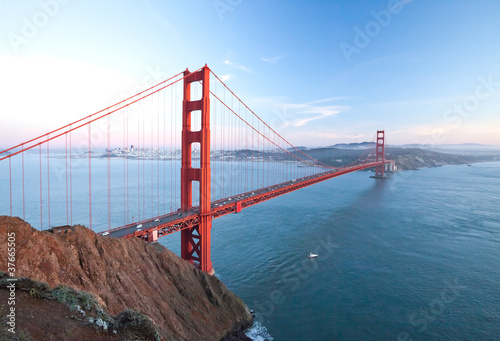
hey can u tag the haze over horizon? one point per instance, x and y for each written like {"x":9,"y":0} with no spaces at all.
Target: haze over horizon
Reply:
{"x":319,"y":73}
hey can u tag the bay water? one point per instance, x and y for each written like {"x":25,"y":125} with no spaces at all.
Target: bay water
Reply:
{"x":414,"y":257}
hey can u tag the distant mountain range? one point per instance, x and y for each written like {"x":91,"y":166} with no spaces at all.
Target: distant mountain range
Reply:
{"x":361,"y":145}
{"x":443,"y":147}
{"x":461,"y":146}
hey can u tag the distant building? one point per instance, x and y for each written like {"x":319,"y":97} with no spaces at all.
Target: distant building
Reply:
{"x":62,"y":229}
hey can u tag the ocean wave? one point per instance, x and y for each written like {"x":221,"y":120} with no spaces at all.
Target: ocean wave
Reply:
{"x":258,"y":333}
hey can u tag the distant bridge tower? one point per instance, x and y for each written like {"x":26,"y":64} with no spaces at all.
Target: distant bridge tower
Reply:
{"x":195,"y":241}
{"x":380,"y":154}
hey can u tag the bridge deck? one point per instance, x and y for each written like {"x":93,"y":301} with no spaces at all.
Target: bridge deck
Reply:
{"x":174,"y":222}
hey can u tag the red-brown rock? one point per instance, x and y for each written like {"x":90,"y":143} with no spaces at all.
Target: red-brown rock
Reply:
{"x":186,"y":303}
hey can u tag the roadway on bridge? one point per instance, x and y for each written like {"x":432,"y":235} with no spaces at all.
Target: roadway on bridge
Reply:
{"x":170,"y":218}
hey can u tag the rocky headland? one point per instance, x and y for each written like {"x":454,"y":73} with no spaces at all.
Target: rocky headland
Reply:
{"x":128,"y":280}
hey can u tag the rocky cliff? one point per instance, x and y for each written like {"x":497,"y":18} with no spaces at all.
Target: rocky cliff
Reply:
{"x":185,"y":303}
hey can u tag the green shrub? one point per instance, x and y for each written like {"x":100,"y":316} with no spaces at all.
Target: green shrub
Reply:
{"x":74,"y":297}
{"x":35,"y":289}
{"x":131,"y":324}
{"x":136,"y":326}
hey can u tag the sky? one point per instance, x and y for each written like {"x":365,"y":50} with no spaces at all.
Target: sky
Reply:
{"x":319,"y":72}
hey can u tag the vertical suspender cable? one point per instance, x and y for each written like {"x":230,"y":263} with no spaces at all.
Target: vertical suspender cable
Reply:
{"x":152,"y":155}
{"x":127,"y":144}
{"x":70,"y":176}
{"x":172,"y":184}
{"x":10,"y":184}
{"x":213,"y":113}
{"x":241,"y":164}
{"x":24,"y":202}
{"x":253,"y":147}
{"x":164,"y":152}
{"x":124,"y":143}
{"x":48,"y":178}
{"x":246,"y":153}
{"x":66,"y":173}
{"x":90,"y":176}
{"x":224,"y":147}
{"x":41,"y":198}
{"x":175,"y":148}
{"x":158,"y":154}
{"x":109,"y":171}
{"x":143,"y":167}
{"x":138,"y":165}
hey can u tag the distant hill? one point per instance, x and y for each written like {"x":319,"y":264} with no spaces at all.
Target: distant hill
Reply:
{"x":406,"y":158}
{"x":303,"y":148}
{"x":416,"y":158}
{"x":361,"y":145}
{"x":461,"y":146}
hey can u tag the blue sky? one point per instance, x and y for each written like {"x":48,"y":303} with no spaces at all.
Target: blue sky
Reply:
{"x":320,"y":72}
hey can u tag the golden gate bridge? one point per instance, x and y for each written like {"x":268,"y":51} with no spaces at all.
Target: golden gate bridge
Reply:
{"x":190,"y":151}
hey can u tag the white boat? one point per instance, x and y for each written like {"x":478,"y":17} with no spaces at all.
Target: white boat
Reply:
{"x":312,"y":255}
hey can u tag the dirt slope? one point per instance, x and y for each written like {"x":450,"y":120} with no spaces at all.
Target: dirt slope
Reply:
{"x":39,"y":319}
{"x":186,"y":303}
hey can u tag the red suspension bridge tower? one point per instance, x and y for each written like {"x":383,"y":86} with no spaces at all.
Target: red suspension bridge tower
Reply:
{"x":380,"y":154}
{"x":195,"y":241}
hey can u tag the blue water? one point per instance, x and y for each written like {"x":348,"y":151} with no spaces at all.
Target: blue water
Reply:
{"x":416,"y":257}
{"x":138,"y":189}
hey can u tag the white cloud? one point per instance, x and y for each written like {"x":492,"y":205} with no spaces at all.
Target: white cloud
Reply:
{"x":308,"y":112}
{"x":225,"y":78}
{"x":300,"y":114}
{"x":240,"y":67}
{"x":312,"y":112}
{"x":272,"y":60}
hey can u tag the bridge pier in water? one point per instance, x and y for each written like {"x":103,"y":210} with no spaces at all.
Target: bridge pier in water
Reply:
{"x":195,"y":241}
